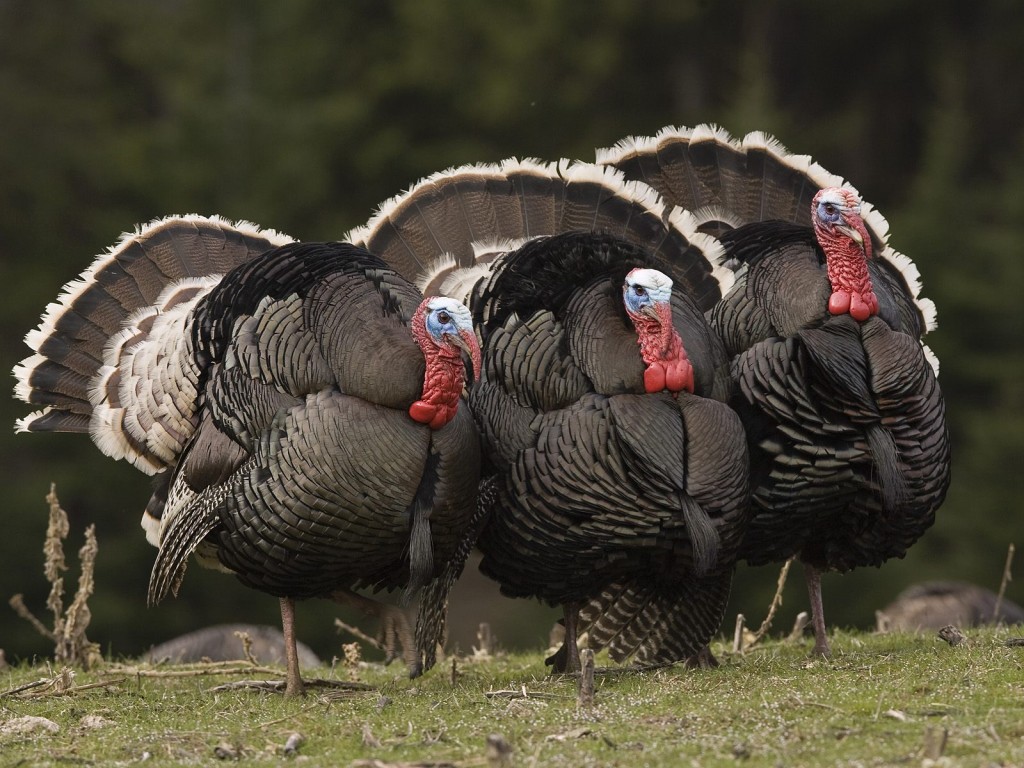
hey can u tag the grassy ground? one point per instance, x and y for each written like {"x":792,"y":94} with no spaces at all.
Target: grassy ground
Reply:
{"x":882,"y":700}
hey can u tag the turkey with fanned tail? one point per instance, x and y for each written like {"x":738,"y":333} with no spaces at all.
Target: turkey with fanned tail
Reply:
{"x":298,"y":402}
{"x":848,"y":444}
{"x":617,"y":473}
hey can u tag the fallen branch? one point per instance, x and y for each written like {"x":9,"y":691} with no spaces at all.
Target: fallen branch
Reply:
{"x":522,"y":693}
{"x":278,"y":686}
{"x":61,"y":684}
{"x":196,"y":670}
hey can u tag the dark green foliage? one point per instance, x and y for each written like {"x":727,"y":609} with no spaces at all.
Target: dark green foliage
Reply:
{"x":302,"y":116}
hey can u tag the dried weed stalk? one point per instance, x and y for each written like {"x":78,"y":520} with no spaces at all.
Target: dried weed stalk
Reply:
{"x":71,"y":646}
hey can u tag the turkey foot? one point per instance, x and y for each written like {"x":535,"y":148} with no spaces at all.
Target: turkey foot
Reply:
{"x":395,"y":629}
{"x":702,"y":659}
{"x":566,"y":660}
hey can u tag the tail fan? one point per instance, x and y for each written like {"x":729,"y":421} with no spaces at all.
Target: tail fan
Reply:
{"x":447,"y":229}
{"x":112,"y":353}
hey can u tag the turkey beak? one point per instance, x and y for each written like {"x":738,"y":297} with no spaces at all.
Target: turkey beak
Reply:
{"x":651,"y":311}
{"x":466,"y":341}
{"x":851,"y":233}
{"x":855,"y":230}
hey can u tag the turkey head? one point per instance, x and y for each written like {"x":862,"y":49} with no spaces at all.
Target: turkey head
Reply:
{"x":647,"y":294}
{"x":844,"y":238}
{"x":443,"y":328}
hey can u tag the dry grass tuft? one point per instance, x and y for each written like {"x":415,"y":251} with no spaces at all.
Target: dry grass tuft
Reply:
{"x":71,"y":646}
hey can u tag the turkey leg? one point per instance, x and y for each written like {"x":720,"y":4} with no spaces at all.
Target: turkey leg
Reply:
{"x":821,"y":646}
{"x":293,"y":686}
{"x":567,"y":658}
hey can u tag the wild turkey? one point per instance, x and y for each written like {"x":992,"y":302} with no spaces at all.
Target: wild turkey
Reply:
{"x":619,"y":474}
{"x":848,"y":444}
{"x":299,"y":404}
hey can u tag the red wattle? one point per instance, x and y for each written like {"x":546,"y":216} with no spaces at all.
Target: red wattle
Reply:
{"x":679,"y":377}
{"x":859,"y":310}
{"x":442,"y":417}
{"x":654,"y":378}
{"x":839,"y":303}
{"x":423,"y":412}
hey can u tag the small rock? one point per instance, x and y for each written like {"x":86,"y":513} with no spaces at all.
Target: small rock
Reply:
{"x":226,"y":751}
{"x":499,"y":751}
{"x":291,"y":746}
{"x":95,"y":721}
{"x":28,"y":724}
{"x":952,"y":635}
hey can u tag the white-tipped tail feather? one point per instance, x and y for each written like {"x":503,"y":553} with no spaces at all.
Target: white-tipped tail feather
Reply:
{"x":113,"y":353}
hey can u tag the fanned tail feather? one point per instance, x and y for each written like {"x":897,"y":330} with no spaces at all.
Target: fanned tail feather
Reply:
{"x":446,"y":230}
{"x":111,"y":354}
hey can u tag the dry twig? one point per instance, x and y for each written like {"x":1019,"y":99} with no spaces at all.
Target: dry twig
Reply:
{"x":799,"y":625}
{"x":357,"y":633}
{"x":1007,"y":578}
{"x":737,"y":635}
{"x":61,"y":684}
{"x":775,"y":604}
{"x":586,"y":686}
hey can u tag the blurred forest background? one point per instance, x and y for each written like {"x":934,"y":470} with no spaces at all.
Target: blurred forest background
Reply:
{"x":303,"y":115}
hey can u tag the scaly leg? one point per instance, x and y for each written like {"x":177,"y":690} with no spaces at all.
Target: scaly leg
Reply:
{"x":293,"y":686}
{"x":821,"y":646}
{"x":572,"y":651}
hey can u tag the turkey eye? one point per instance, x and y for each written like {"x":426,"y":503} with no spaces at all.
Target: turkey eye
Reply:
{"x":639,"y":290}
{"x":443,"y":317}
{"x":830,"y":209}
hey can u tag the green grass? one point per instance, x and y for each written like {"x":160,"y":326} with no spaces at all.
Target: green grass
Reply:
{"x":872,"y":704}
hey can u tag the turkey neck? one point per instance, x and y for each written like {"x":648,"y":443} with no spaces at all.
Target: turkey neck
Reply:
{"x":442,"y":379}
{"x":662,"y":351}
{"x":847,"y":263}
